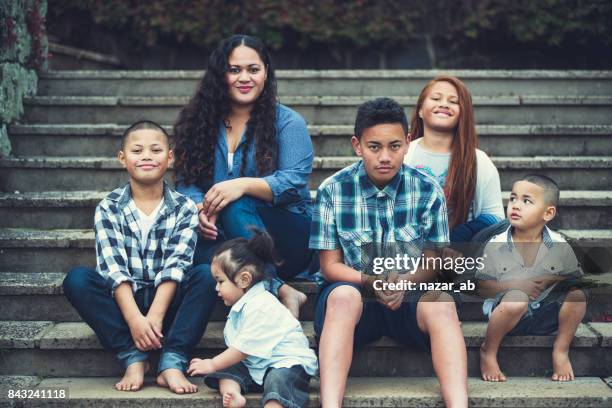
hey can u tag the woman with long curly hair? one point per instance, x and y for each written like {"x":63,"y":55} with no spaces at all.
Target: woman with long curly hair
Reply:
{"x":444,"y":144}
{"x":245,"y":160}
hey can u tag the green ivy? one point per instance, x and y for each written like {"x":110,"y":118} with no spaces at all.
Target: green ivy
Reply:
{"x":360,"y":23}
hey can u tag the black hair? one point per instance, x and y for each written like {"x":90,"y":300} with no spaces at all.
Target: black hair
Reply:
{"x":550,"y":187}
{"x":196,"y":129}
{"x":143,"y":124}
{"x":254,"y":254}
{"x":379,"y":111}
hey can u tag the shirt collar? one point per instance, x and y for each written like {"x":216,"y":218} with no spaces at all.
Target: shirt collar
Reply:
{"x":124,"y":198}
{"x":368,"y":189}
{"x":256,"y":290}
{"x":546,"y":238}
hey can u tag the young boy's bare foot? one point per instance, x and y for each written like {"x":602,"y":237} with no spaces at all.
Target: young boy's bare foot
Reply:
{"x":133,"y":378}
{"x":176,"y":381}
{"x":489,"y":368}
{"x":292,"y":298}
{"x":562,"y":367}
{"x":233,"y":399}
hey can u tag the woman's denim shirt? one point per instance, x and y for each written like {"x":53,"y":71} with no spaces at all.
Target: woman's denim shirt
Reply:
{"x":289,"y":183}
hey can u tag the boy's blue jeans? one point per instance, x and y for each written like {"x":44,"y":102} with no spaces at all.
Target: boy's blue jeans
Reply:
{"x":184,"y":323}
{"x":290,"y":232}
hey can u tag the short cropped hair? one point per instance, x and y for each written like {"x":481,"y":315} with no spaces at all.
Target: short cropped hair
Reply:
{"x":143,"y":124}
{"x":379,"y":111}
{"x":550,"y":187}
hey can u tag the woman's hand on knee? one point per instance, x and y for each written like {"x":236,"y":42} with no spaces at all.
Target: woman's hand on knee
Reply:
{"x":206,"y":226}
{"x":222,"y":194}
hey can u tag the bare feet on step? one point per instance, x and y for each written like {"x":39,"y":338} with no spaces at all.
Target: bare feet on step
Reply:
{"x":133,"y":378}
{"x":562,"y":367}
{"x":233,"y":399}
{"x":292,"y":298}
{"x":489,"y":368}
{"x":176,"y":381}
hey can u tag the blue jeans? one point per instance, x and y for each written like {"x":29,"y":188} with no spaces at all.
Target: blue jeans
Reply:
{"x":290,"y":232}
{"x":183,"y":326}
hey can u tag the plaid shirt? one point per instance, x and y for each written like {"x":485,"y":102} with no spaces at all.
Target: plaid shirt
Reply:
{"x":352,"y":214}
{"x":168,"y":250}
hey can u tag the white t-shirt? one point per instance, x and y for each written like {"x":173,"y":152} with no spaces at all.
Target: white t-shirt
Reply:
{"x":145,"y":222}
{"x":487,"y":196}
{"x":230,"y":161}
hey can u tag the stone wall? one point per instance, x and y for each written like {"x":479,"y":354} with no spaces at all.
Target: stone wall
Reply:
{"x":23,"y":53}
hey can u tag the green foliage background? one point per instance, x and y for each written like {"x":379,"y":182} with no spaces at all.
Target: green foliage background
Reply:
{"x":361,"y":23}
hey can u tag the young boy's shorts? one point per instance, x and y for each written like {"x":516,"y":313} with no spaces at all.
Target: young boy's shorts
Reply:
{"x":378,"y":321}
{"x":541,"y":318}
{"x":288,"y":386}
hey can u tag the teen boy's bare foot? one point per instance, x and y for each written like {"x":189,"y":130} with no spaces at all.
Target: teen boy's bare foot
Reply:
{"x":133,"y":378}
{"x":489,"y":368}
{"x":233,"y":399}
{"x":175,"y":380}
{"x":292,"y":298}
{"x":562,"y":367}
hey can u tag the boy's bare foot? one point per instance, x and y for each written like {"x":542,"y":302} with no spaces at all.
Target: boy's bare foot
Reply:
{"x":293,"y":299}
{"x":489,"y":368}
{"x":133,"y":378}
{"x":233,"y":399}
{"x":562,"y":366}
{"x":175,"y":380}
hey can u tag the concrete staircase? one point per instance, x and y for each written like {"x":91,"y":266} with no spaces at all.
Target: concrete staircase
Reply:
{"x":554,"y":123}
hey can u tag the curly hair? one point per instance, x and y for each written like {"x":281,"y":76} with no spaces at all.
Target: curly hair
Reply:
{"x":197,"y":127}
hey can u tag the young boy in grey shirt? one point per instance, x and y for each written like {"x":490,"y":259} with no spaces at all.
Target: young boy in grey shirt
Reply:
{"x":528,"y":279}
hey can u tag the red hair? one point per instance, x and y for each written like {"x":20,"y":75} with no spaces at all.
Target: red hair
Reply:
{"x":460,"y":182}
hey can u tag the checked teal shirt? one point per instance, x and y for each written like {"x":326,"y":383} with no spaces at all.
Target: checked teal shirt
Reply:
{"x":352,"y":214}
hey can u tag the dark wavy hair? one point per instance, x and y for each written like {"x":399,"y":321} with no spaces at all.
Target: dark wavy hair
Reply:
{"x":196,"y":129}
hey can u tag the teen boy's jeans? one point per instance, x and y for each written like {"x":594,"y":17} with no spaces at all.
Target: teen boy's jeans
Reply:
{"x":184,"y":323}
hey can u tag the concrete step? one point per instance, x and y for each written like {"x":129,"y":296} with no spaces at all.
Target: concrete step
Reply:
{"x":384,"y":392}
{"x":328,"y":140}
{"x":361,"y":392}
{"x":35,"y":250}
{"x":75,"y":209}
{"x":50,"y":349}
{"x":332,"y":82}
{"x":323,"y":110}
{"x":35,"y":173}
{"x":39,"y":296}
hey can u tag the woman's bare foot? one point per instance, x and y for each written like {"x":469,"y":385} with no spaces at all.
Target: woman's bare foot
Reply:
{"x":489,"y":368}
{"x":292,"y":298}
{"x":233,"y":399}
{"x":175,"y":380}
{"x":133,"y":378}
{"x":562,"y":366}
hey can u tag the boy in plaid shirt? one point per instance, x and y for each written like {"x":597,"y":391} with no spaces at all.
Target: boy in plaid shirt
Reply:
{"x":144,"y":295}
{"x":381,"y":203}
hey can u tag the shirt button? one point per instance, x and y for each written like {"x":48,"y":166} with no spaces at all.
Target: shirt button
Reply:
{"x":380,"y":194}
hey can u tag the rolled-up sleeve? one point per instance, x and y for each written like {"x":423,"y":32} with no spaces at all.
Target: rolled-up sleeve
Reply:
{"x":323,"y":232}
{"x":295,"y":156}
{"x":111,"y":256}
{"x":178,"y":254}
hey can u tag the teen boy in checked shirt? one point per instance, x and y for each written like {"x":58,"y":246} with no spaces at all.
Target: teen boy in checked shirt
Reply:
{"x":144,"y":294}
{"x":372,"y":203}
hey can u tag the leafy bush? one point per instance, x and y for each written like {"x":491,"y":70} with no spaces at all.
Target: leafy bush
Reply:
{"x":372,"y":23}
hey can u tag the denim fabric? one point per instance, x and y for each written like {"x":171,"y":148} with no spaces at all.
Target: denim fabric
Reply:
{"x":184,"y":324}
{"x":289,"y":231}
{"x":288,"y":386}
{"x":289,"y":183}
{"x":377,"y":321}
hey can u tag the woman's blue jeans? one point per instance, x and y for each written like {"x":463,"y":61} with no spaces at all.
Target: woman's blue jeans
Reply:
{"x":184,"y":323}
{"x":290,"y":232}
